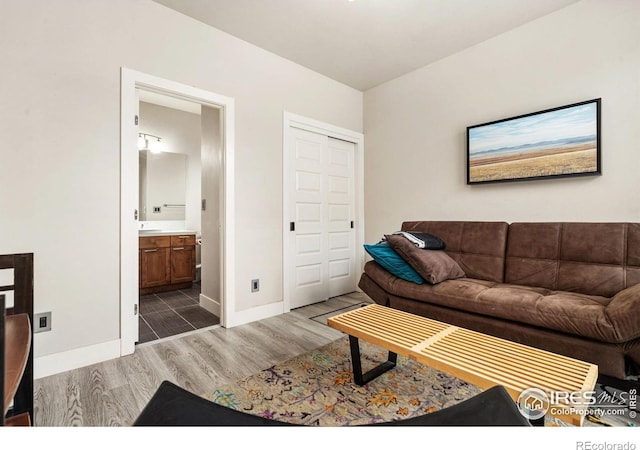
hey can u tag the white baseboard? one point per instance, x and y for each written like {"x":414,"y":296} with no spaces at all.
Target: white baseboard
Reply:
{"x":44,"y":366}
{"x":211,"y":305}
{"x":256,"y":313}
{"x":242,"y":317}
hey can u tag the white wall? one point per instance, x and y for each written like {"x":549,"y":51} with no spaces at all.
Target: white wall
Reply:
{"x":59,"y":132}
{"x":415,"y":125}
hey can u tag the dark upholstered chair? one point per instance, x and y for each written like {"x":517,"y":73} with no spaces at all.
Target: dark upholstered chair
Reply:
{"x":173,"y":406}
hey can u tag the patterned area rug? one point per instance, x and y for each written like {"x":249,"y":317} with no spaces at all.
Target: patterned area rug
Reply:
{"x":316,"y":388}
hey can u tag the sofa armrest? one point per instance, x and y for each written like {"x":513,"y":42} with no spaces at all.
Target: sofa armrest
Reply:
{"x":624,"y":313}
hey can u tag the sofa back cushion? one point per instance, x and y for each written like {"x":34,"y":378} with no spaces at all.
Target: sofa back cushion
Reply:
{"x":589,"y":258}
{"x":478,"y":247}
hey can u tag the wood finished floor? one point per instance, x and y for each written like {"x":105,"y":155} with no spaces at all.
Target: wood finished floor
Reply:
{"x":113,"y":393}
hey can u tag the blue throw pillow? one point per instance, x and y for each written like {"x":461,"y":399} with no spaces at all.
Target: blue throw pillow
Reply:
{"x":392,"y":262}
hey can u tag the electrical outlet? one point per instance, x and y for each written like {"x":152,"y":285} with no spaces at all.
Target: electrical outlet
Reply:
{"x":42,"y":322}
{"x":255,"y":285}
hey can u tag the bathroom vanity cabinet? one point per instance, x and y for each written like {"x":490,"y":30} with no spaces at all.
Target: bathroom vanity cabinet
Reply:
{"x":167,"y":262}
{"x":183,"y":259}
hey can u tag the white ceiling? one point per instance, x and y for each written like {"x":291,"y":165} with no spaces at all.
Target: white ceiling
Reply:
{"x":363,"y":43}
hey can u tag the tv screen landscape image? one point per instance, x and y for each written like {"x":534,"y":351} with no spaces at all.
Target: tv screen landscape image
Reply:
{"x":558,"y":142}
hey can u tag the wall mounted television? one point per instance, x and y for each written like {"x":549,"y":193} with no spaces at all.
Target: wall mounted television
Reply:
{"x":557,"y":142}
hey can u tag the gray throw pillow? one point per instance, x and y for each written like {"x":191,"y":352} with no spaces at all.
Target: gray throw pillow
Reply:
{"x":434,"y":266}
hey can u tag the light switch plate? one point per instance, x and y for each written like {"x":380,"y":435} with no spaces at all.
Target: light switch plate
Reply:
{"x":42,"y":322}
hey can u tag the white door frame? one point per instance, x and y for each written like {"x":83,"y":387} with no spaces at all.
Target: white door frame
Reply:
{"x":130,"y":81}
{"x":316,"y":126}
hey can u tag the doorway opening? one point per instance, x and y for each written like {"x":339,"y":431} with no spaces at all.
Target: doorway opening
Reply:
{"x":171,"y":134}
{"x":206,"y":213}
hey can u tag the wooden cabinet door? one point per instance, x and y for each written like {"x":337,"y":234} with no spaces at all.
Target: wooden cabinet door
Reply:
{"x":155,"y":266}
{"x":183,"y":264}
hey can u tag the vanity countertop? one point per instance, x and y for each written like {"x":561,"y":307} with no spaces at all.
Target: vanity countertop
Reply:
{"x":142,"y":233}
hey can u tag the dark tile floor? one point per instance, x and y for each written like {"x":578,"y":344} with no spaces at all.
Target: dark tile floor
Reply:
{"x":169,"y":313}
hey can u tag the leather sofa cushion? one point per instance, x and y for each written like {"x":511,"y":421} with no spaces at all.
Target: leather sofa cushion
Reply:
{"x":590,"y":258}
{"x":568,"y":312}
{"x":478,"y":247}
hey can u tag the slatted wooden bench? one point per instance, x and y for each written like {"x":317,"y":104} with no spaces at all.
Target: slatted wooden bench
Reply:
{"x":476,"y":358}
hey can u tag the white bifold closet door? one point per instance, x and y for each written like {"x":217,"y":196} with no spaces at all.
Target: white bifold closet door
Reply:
{"x":322,"y":232}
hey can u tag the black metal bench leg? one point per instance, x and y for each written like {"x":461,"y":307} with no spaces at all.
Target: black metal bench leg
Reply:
{"x":358,"y":377}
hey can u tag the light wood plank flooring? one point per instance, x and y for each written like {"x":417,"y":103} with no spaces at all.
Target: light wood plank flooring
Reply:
{"x":113,"y":393}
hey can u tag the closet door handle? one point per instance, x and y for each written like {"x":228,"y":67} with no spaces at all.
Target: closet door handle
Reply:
{"x":151,"y":251}
{"x":178,"y":248}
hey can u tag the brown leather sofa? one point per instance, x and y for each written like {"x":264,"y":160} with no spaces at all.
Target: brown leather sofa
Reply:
{"x":569,"y":288}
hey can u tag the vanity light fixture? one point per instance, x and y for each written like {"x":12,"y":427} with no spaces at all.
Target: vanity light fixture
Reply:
{"x":149,"y":142}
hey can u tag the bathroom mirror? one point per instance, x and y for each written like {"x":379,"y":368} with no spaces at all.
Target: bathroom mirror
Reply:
{"x":163,"y":181}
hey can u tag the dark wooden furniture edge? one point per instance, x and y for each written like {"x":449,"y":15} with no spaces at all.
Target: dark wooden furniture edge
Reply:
{"x":22,"y":287}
